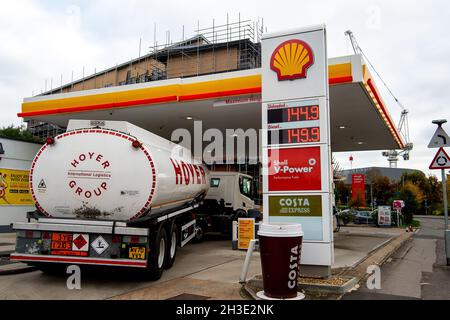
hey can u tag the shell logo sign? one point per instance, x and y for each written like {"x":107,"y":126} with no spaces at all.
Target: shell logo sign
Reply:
{"x":291,"y":59}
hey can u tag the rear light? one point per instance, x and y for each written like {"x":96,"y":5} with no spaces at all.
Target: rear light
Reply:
{"x":49,"y":140}
{"x":134,"y":239}
{"x":29,"y":234}
{"x":136,"y":144}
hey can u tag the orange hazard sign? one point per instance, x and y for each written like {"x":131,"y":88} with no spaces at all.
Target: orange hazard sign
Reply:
{"x":246,"y":232}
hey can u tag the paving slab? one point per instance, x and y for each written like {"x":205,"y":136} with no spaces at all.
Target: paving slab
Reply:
{"x":350,"y":249}
{"x":213,"y":290}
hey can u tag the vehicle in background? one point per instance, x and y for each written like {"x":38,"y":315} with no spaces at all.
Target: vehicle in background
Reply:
{"x":229,"y":198}
{"x":346,"y":216}
{"x":364,"y":217}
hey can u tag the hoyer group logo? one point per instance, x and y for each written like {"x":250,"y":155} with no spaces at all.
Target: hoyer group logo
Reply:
{"x":294,"y":169}
{"x":291,"y":60}
{"x":89,"y":168}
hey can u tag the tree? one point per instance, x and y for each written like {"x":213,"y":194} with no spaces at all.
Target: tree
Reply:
{"x":410,"y":194}
{"x":421,"y":189}
{"x":383,"y":190}
{"x":342,"y":192}
{"x":434,"y":194}
{"x":357,"y":201}
{"x":19,"y":133}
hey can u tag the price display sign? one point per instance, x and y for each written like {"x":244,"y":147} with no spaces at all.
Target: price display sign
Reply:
{"x":293,"y":122}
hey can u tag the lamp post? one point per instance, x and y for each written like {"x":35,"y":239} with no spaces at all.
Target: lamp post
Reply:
{"x":371,"y":196}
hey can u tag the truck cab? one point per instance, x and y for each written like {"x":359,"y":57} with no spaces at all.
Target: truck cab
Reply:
{"x":230,"y":196}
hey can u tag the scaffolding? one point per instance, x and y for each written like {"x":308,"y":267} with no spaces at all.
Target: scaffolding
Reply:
{"x":218,"y":48}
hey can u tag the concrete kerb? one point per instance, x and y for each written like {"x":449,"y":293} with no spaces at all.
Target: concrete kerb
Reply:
{"x":15,"y":268}
{"x":378,"y":257}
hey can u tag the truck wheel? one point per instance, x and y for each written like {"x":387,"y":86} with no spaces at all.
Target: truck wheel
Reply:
{"x":199,"y":233}
{"x":157,"y":255}
{"x":172,"y":247}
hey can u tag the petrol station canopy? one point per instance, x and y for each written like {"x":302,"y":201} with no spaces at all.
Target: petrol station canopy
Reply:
{"x":228,"y":100}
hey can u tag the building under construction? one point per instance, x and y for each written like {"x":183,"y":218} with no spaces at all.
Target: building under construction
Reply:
{"x":223,"y":48}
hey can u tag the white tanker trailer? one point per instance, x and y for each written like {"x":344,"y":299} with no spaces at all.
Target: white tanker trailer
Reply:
{"x":110,"y":193}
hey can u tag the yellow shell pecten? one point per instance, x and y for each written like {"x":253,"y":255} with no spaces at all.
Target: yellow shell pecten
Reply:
{"x":291,"y":59}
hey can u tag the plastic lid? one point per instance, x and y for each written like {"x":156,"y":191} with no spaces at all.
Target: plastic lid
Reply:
{"x":280,"y":230}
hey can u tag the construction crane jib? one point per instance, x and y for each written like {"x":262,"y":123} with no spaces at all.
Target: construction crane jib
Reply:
{"x":403,"y":125}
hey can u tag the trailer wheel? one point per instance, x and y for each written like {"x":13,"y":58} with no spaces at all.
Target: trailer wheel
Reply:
{"x":157,"y":255}
{"x":172,"y":247}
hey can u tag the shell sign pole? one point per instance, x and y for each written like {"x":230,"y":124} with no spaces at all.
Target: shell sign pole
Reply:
{"x":297,"y":174}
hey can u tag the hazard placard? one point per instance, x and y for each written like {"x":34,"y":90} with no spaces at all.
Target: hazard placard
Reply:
{"x":80,"y":242}
{"x":440,"y":139}
{"x":99,"y":245}
{"x":246,"y":232}
{"x":441,"y":160}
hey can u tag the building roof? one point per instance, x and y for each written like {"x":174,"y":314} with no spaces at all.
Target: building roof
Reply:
{"x":391,"y":173}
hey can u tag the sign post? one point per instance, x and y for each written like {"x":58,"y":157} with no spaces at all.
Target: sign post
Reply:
{"x":441,"y":161}
{"x":398,"y":205}
{"x":296,"y":139}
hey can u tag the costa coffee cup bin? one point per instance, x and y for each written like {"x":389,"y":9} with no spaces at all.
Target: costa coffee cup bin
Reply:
{"x":280,"y":248}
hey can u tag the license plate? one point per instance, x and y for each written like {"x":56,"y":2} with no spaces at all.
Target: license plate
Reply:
{"x":61,"y":241}
{"x":136,"y":253}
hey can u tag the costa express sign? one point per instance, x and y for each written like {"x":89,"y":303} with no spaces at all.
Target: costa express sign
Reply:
{"x":294,"y":169}
{"x":295,"y":206}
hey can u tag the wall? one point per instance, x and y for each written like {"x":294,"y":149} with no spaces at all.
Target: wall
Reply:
{"x":205,"y":63}
{"x":18,"y":155}
{"x":115,"y":76}
{"x":188,"y":64}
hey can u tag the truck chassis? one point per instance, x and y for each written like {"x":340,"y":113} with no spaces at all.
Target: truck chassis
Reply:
{"x":149,"y":244}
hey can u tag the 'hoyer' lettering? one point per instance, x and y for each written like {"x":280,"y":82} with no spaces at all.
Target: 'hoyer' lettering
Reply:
{"x":90,"y":156}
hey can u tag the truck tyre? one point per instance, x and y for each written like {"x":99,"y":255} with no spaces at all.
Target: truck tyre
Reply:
{"x":200,"y":230}
{"x":171,"y":248}
{"x":157,"y":254}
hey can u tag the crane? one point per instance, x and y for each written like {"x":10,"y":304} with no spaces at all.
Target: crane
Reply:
{"x":403,"y":125}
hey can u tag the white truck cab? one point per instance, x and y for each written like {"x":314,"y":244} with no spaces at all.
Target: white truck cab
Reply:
{"x":233,"y":188}
{"x":230,"y":197}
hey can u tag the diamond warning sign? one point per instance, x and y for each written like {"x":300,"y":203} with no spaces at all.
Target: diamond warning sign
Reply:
{"x":80,"y":242}
{"x":441,"y":160}
{"x":99,"y":245}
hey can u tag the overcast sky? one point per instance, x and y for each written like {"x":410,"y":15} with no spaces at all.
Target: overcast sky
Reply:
{"x":407,"y":41}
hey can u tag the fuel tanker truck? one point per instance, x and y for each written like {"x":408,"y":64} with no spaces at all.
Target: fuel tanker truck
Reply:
{"x":110,"y":193}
